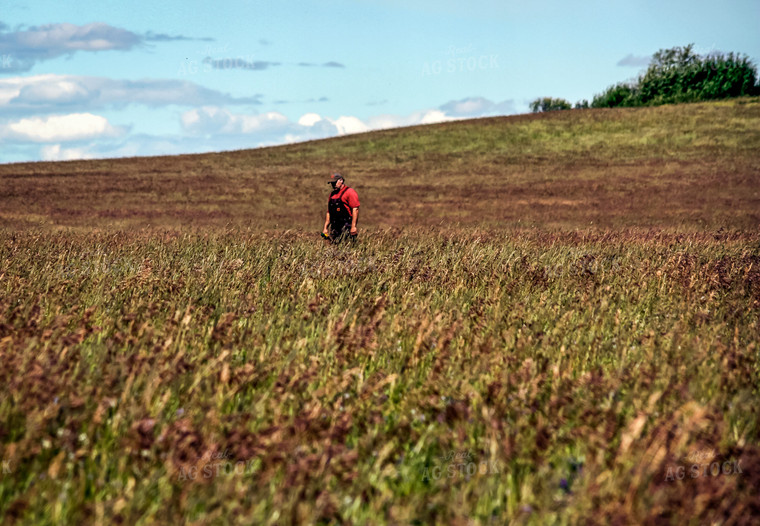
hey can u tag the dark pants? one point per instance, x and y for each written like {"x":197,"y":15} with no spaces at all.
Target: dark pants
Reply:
{"x":341,"y":233}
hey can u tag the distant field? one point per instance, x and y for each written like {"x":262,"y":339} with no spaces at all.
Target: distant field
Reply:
{"x":549,"y":319}
{"x":688,"y":167}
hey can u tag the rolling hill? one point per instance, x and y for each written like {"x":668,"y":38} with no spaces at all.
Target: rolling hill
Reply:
{"x":685,"y":167}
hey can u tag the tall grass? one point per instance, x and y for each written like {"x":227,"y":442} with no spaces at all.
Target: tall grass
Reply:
{"x":421,"y":376}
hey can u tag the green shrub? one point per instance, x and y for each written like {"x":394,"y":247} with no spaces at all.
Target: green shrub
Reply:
{"x":617,"y":95}
{"x":680,"y":75}
{"x":549,"y":104}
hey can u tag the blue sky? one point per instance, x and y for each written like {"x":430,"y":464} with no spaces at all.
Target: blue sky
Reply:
{"x":95,"y":79}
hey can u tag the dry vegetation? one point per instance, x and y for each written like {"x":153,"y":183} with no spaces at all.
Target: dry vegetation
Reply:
{"x":522,"y":365}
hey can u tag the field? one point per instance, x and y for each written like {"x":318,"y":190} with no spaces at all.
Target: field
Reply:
{"x":693,"y":167}
{"x":548,"y":319}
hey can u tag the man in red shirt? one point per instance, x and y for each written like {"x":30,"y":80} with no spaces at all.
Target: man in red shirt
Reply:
{"x":342,"y":210}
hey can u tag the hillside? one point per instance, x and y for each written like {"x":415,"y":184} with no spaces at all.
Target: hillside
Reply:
{"x":685,"y":167}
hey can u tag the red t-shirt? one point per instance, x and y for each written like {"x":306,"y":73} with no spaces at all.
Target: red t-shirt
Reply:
{"x":349,"y":197}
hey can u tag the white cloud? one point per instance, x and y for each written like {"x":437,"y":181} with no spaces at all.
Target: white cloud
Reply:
{"x":206,"y":129}
{"x":434,"y":116}
{"x":64,"y":91}
{"x":342,"y":125}
{"x":40,"y":43}
{"x":473,"y":105}
{"x":25,"y":48}
{"x":51,"y":93}
{"x":477,"y":107}
{"x":205,"y":120}
{"x":309,"y":119}
{"x":240,"y":130}
{"x":346,"y":125}
{"x":257,"y":123}
{"x":59,"y":128}
{"x":274,"y":126}
{"x":54,"y":152}
{"x":379,"y":122}
{"x":53,"y":40}
{"x":214,"y":120}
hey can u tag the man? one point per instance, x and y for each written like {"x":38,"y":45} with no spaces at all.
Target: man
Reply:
{"x":342,"y":210}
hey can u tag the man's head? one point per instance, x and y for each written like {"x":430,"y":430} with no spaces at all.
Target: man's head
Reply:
{"x":336,"y":180}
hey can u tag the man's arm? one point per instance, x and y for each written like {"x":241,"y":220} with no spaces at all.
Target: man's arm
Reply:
{"x":354,"y":217}
{"x":327,"y":224}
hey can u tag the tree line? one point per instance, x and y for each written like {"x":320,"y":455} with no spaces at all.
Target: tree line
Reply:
{"x":674,"y":75}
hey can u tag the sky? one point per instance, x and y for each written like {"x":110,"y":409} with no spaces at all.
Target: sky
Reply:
{"x":104,"y":79}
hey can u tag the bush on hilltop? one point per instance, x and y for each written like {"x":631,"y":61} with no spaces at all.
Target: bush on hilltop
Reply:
{"x":680,"y":75}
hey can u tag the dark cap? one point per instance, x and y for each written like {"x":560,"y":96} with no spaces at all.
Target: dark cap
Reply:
{"x":335,"y":177}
